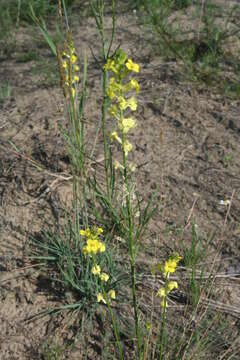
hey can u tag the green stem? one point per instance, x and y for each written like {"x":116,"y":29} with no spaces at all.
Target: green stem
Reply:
{"x":131,"y":244}
{"x":163,"y":324}
{"x":106,"y":150}
{"x":115,"y":330}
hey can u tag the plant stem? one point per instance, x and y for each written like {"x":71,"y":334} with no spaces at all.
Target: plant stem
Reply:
{"x":99,"y":18}
{"x":115,"y":330}
{"x":106,"y":149}
{"x":131,"y":245}
{"x":163,"y":325}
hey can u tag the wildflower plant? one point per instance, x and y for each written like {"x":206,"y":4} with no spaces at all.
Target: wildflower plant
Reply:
{"x":117,"y":91}
{"x":92,"y":248}
{"x":86,"y":271}
{"x":166,"y":269}
{"x":69,"y":74}
{"x":81,"y":254}
{"x":120,"y":102}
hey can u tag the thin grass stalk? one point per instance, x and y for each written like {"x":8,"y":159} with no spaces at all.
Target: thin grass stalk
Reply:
{"x":65,"y":14}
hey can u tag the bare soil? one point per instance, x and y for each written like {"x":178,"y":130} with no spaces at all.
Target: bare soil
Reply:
{"x":186,"y":146}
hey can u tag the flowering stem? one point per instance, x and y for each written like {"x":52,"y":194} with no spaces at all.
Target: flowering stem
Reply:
{"x":115,"y":330}
{"x":163,"y":320}
{"x":106,"y":150}
{"x":130,"y":243}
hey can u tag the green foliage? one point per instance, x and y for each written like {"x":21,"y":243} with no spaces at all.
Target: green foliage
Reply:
{"x":72,"y":278}
{"x":18,"y":10}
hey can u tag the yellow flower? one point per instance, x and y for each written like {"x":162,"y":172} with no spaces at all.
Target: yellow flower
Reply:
{"x":93,"y":247}
{"x":96,"y":270}
{"x":132,"y":66}
{"x":127,"y":147}
{"x":134,"y":85}
{"x":161,"y":293}
{"x":132,"y":167}
{"x":110,"y":93}
{"x":76,"y":68}
{"x":112,"y":294}
{"x":113,"y":110}
{"x":99,"y":230}
{"x":117,"y":165}
{"x":126,"y":124}
{"x":101,"y":247}
{"x":172,"y":285}
{"x":110,"y":65}
{"x":114,"y":136}
{"x":132,"y":103}
{"x":86,"y":232}
{"x":100,"y":298}
{"x":64,"y":64}
{"x":73,"y":59}
{"x":76,"y":78}
{"x":122,"y":103}
{"x":171,"y":264}
{"x":91,"y":234}
{"x":113,"y":88}
{"x":104,"y":277}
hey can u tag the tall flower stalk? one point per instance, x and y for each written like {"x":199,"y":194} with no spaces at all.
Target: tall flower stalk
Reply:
{"x":69,"y":82}
{"x":168,"y":268}
{"x":118,"y":90}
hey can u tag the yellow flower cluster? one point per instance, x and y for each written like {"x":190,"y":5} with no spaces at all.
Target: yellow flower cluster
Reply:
{"x":93,"y":245}
{"x":96,"y":270}
{"x":164,"y":291}
{"x":68,"y":68}
{"x":101,"y":298}
{"x":170,"y":265}
{"x":117,"y":91}
{"x":69,"y":64}
{"x":166,"y":269}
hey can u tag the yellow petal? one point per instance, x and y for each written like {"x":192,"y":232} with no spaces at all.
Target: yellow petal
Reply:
{"x":100,"y":298}
{"x":112,"y":294}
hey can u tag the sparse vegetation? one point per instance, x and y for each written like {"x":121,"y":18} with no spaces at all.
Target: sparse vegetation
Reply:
{"x":199,"y":34}
{"x":119,"y":283}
